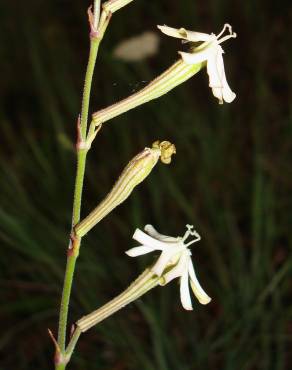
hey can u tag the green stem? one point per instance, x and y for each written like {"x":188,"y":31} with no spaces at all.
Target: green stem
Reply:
{"x":73,"y":342}
{"x":94,"y":45}
{"x":73,"y":250}
{"x":68,"y":279}
{"x":81,"y":163}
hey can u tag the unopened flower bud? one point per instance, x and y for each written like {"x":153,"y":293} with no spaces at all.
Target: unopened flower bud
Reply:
{"x":133,"y":174}
{"x":167,"y":150}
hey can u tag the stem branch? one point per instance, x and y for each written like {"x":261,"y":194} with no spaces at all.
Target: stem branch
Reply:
{"x":70,"y":267}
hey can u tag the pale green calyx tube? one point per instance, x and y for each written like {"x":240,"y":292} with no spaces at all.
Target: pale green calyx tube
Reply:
{"x":133,"y":174}
{"x":145,"y":282}
{"x":178,"y":73}
{"x":114,"y":5}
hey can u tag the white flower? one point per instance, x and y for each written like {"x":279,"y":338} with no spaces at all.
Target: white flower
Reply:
{"x":210,"y":52}
{"x":175,"y":261}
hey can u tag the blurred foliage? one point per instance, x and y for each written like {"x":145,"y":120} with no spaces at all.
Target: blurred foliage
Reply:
{"x":231,"y":178}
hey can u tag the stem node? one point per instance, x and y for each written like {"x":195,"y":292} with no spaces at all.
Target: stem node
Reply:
{"x":74,"y":245}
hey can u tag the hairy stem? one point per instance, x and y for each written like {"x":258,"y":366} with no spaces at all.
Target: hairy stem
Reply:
{"x":73,"y":342}
{"x":73,"y":250}
{"x":80,"y":171}
{"x":67,"y":286}
{"x":94,"y":45}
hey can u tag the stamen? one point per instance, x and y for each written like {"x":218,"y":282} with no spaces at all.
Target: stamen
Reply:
{"x":231,"y":34}
{"x":198,"y":238}
{"x":188,"y":232}
{"x":192,"y":232}
{"x":226,"y":25}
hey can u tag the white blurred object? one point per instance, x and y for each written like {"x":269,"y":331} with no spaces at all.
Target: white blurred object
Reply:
{"x":138,"y":47}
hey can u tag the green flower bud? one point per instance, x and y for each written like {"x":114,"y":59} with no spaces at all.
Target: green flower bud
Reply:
{"x":134,"y":173}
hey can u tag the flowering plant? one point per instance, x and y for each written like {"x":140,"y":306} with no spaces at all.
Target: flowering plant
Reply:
{"x":175,"y":258}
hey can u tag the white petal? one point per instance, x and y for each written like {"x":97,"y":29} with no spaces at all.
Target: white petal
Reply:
{"x":228,"y":94}
{"x":155,"y":234}
{"x":170,"y":255}
{"x":201,"y":295}
{"x":179,"y":269}
{"x":182,"y":33}
{"x":214,"y":70}
{"x":185,"y":296}
{"x":162,"y":262}
{"x":195,"y":57}
{"x":172,"y":32}
{"x":217,"y":78}
{"x":215,"y":67}
{"x":199,"y":36}
{"x":139,"y":251}
{"x":145,"y":239}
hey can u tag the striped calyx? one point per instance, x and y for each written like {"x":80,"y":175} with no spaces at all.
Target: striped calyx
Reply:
{"x":178,"y":73}
{"x":146,"y":281}
{"x":133,"y":174}
{"x":112,"y":6}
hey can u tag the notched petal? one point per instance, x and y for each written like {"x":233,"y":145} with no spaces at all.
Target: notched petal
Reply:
{"x":217,"y":78}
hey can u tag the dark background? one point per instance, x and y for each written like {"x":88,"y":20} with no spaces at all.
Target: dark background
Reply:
{"x":231,"y":178}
